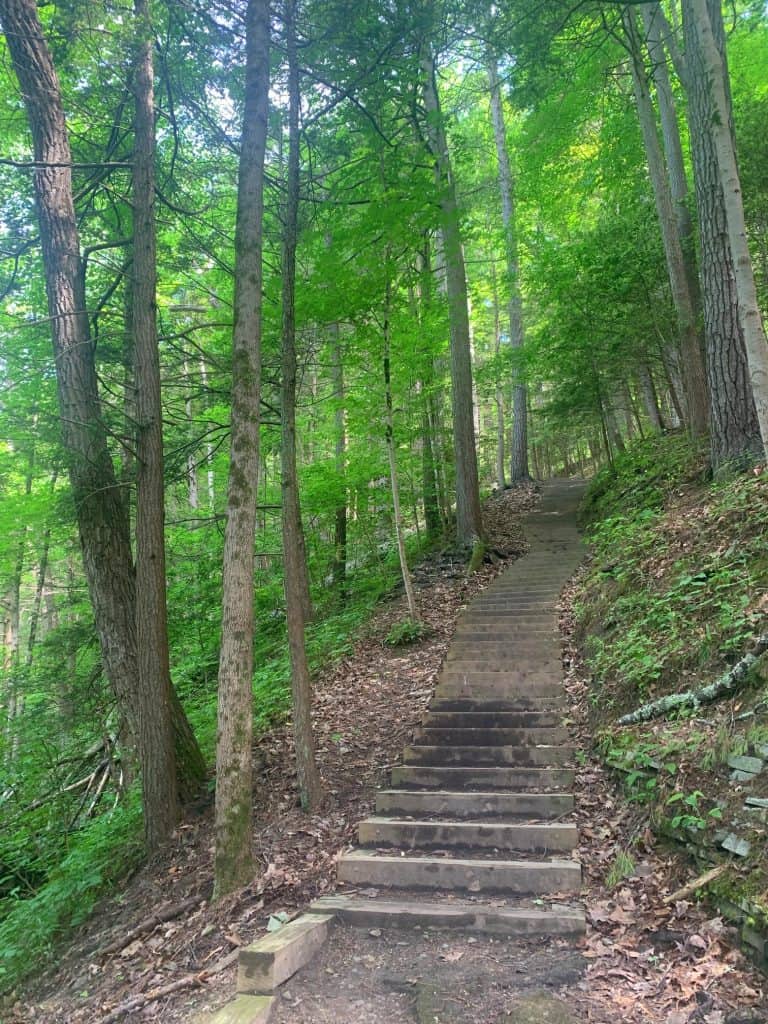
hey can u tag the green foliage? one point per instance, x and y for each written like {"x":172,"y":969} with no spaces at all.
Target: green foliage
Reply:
{"x":99,"y":856}
{"x":406,"y":632}
{"x":623,"y":867}
{"x":671,"y":591}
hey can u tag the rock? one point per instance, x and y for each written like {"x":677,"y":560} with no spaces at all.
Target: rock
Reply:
{"x":756,"y":801}
{"x":540,"y":1008}
{"x":742,"y":763}
{"x":733,"y":844}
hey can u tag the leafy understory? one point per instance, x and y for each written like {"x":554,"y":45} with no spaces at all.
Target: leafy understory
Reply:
{"x":674,"y":595}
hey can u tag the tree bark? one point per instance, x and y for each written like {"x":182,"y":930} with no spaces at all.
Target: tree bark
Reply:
{"x":734,"y":427}
{"x":233,"y":861}
{"x":710,"y":75}
{"x":340,"y":513}
{"x":694,"y":380}
{"x":650,"y":398}
{"x":294,"y":558}
{"x":410,"y":596}
{"x":519,"y":470}
{"x":501,"y":480}
{"x":469,"y":526}
{"x":673,"y":149}
{"x":155,"y":735}
{"x":101,"y":513}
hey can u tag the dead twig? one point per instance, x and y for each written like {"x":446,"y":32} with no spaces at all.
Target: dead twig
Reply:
{"x":150,"y":923}
{"x":698,"y":883}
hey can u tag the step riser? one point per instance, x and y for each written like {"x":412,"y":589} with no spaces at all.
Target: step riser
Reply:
{"x":520,"y":878}
{"x":483,"y":778}
{"x":405,"y":835}
{"x":474,"y":805}
{"x":513,"y":659}
{"x":500,"y":670}
{"x":508,"y":626}
{"x":529,"y":923}
{"x":507,"y":691}
{"x":512,"y":704}
{"x":541,"y":683}
{"x":489,"y":737}
{"x":488,"y":756}
{"x":491,"y":720}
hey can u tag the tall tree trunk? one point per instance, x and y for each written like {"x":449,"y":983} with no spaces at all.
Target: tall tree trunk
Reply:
{"x":650,"y":398}
{"x":340,"y":513}
{"x":101,"y":513}
{"x":233,"y":862}
{"x":501,"y":480}
{"x":294,"y":558}
{"x":519,"y":471}
{"x":709,"y":92}
{"x":673,"y":149}
{"x":389,"y":427}
{"x":469,"y":526}
{"x":161,"y":802}
{"x":694,"y":379}
{"x":193,"y":490}
{"x":209,"y":452}
{"x":429,"y":455}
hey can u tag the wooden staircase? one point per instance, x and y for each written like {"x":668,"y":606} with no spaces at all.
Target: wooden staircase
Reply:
{"x":475,"y":832}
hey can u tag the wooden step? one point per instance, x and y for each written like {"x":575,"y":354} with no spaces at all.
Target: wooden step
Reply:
{"x":473,"y":805}
{"x":500,"y":667}
{"x":521,"y":921}
{"x":502,"y":836}
{"x":542,"y":685}
{"x":363,"y":867}
{"x":488,"y":737}
{"x":491,"y":720}
{"x":470,"y":756}
{"x":482,"y":778}
{"x":516,"y":702}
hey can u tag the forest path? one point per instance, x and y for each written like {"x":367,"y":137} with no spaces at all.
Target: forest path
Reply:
{"x":472,"y":845}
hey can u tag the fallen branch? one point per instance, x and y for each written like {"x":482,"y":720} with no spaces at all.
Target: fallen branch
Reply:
{"x":727,"y":684}
{"x":698,"y":883}
{"x":186,"y":981}
{"x":136,"y":1003}
{"x":150,"y":923}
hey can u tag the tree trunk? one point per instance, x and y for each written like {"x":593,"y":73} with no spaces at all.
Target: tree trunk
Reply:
{"x":389,"y":427}
{"x":650,"y":398}
{"x":340,"y":514}
{"x":193,"y":490}
{"x":294,"y":558}
{"x":519,"y":470}
{"x":709,"y":90}
{"x":101,"y":513}
{"x":233,"y":863}
{"x":694,"y":380}
{"x":429,"y":456}
{"x":469,"y":525}
{"x":673,"y":149}
{"x":161,"y":802}
{"x":501,"y":480}
{"x":209,"y":452}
